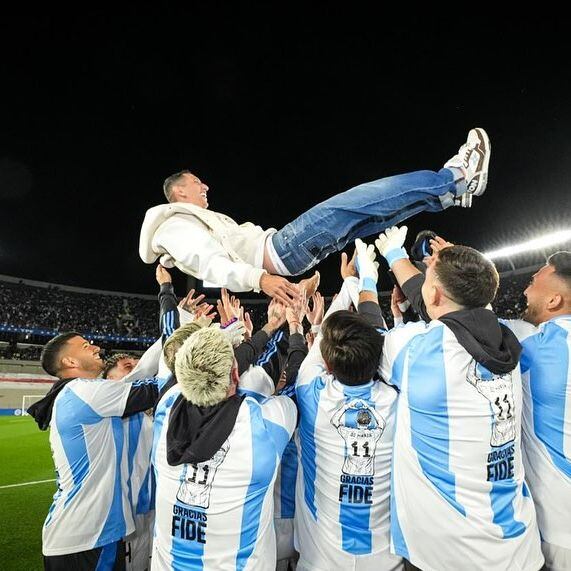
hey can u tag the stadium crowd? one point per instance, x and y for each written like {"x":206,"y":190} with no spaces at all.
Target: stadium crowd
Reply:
{"x":36,"y":308}
{"x":53,"y":308}
{"x":323,"y":439}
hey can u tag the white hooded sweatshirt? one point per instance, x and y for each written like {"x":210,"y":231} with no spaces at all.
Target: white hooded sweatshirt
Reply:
{"x":204,"y":244}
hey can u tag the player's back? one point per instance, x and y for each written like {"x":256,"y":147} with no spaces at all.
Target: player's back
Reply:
{"x":546,"y":373}
{"x":345,"y":440}
{"x":90,"y":508}
{"x":218,"y":514}
{"x":458,"y":477}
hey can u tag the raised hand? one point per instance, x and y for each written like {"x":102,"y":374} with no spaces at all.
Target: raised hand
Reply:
{"x":397,"y":296}
{"x":247,"y":321}
{"x":228,"y":307}
{"x":162,"y":275}
{"x":276,"y":314}
{"x":296,"y":312}
{"x":315,"y":314}
{"x":189,"y":302}
{"x":437,"y":244}
{"x":367,"y":266}
{"x":348,"y":268}
{"x":390,"y":244}
{"x":204,"y":310}
{"x":279,"y":288}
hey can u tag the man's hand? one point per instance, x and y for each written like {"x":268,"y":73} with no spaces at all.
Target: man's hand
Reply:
{"x":189,"y":302}
{"x":368,"y":268}
{"x":309,"y":339}
{"x":390,"y":244}
{"x":295,"y":314}
{"x":348,"y":268}
{"x":276,"y":315}
{"x":315,"y":315}
{"x":247,"y":321}
{"x":279,"y":288}
{"x":163,"y":277}
{"x":228,"y":307}
{"x":437,"y":244}
{"x":397,"y":296}
{"x":204,"y":310}
{"x":234,"y":332}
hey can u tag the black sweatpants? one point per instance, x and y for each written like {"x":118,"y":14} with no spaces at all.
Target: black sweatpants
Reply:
{"x":107,"y":558}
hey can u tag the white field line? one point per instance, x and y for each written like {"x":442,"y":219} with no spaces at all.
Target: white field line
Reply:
{"x":26,"y":484}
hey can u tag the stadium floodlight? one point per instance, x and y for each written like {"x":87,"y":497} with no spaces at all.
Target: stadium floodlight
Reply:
{"x":535,"y":244}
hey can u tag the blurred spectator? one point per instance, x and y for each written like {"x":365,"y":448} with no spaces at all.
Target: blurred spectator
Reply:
{"x":27,"y":306}
{"x":510,"y":301}
{"x":52,"y":308}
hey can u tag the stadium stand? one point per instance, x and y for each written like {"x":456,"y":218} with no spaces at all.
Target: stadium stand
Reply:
{"x":32,"y":312}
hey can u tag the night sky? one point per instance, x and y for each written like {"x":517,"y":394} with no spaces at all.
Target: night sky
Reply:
{"x":275,"y":111}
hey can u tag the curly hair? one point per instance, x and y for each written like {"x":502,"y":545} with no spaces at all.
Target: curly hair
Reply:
{"x":112,"y":362}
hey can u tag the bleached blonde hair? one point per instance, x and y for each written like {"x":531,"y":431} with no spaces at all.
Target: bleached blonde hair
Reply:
{"x":203,"y":365}
{"x":178,"y":337}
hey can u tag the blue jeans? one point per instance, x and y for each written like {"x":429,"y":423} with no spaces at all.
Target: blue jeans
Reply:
{"x":359,"y":212}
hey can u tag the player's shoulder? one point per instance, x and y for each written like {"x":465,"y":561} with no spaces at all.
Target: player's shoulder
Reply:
{"x":257,"y":400}
{"x":84,"y":387}
{"x":411,"y":328}
{"x":167,"y":400}
{"x":78,"y":399}
{"x":520,"y":328}
{"x":404,"y":332}
{"x":562,"y":322}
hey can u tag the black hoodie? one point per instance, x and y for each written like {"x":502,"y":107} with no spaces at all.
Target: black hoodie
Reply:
{"x":478,"y":330}
{"x":41,"y":411}
{"x":488,"y":341}
{"x":196,"y":433}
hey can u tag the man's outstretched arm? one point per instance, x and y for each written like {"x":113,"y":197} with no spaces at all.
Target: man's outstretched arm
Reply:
{"x":390,"y":245}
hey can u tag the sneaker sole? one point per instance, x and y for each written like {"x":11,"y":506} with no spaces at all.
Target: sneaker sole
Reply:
{"x":482,"y":177}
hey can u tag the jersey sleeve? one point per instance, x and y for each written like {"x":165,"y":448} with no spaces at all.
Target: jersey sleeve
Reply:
{"x":169,"y":317}
{"x":148,"y":364}
{"x":106,"y":398}
{"x":395,"y":341}
{"x":280,"y":418}
{"x":520,"y":328}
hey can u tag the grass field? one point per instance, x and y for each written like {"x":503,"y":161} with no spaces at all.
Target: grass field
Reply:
{"x":24,"y":457}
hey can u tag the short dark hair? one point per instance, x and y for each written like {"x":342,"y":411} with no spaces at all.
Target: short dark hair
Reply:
{"x":172,"y":181}
{"x":351,"y":347}
{"x":469,"y":278}
{"x":112,"y":362}
{"x":51,"y":352}
{"x":561,"y":261}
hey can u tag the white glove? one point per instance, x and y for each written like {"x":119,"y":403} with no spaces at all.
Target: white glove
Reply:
{"x":234,"y":332}
{"x":367,"y":267}
{"x":390,"y":244}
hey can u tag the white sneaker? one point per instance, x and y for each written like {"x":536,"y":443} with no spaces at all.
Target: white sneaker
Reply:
{"x":473,"y":159}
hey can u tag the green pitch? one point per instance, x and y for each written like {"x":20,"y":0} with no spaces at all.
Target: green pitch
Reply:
{"x":24,"y":457}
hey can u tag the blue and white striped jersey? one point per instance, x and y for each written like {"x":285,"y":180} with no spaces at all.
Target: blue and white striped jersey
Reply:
{"x":91,"y":507}
{"x":458,"y":497}
{"x":546,"y":374}
{"x":218,"y":514}
{"x":139,"y":442}
{"x":284,"y":502}
{"x":284,"y":490}
{"x":344,"y":440}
